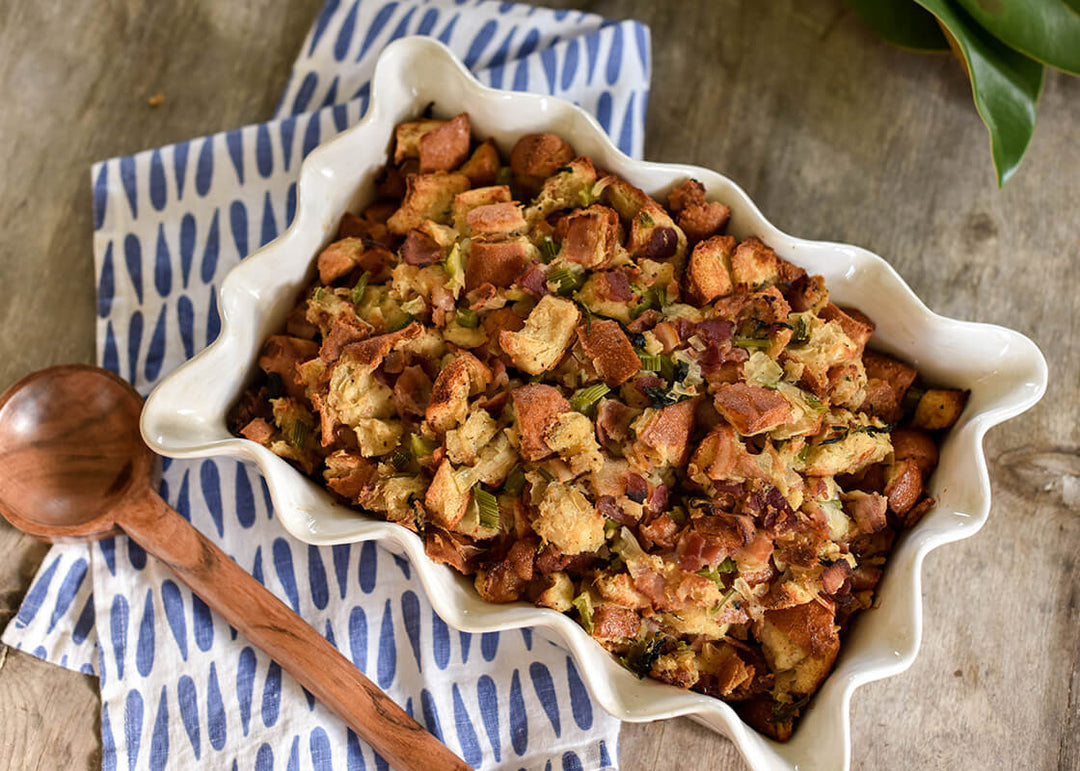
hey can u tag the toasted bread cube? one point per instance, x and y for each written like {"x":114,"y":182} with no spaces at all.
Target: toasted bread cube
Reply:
{"x":701,"y":221}
{"x":566,"y":519}
{"x":463,"y":377}
{"x":939,"y":408}
{"x":752,"y":409}
{"x":709,"y":273}
{"x":687,"y":193}
{"x":918,"y":446}
{"x":464,"y":444}
{"x":495,"y":220}
{"x":427,"y":197}
{"x":573,"y":437}
{"x":281,"y":354}
{"x":807,"y":293}
{"x":466,"y":201}
{"x":377,"y":437}
{"x":559,"y":595}
{"x":535,"y":406}
{"x":547,"y":333}
{"x":407,"y":137}
{"x":445,"y":500}
{"x":663,"y":436}
{"x":567,"y":188}
{"x":536,"y":157}
{"x":499,"y":264}
{"x":483,"y":166}
{"x":802,"y":640}
{"x":611,"y":353}
{"x":754,"y":265}
{"x":856,"y":325}
{"x":591,"y":236}
{"x":446,"y":146}
{"x":614,"y":622}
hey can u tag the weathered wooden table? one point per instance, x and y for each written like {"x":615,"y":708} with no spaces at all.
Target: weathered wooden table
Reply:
{"x":835,"y":134}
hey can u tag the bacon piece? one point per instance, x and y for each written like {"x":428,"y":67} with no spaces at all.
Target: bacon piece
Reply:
{"x":611,"y":353}
{"x":608,"y":507}
{"x":615,"y":286}
{"x":373,"y":350}
{"x":345,"y":330}
{"x":614,"y":622}
{"x":451,"y":549}
{"x":420,"y":249}
{"x":659,"y":532}
{"x":551,"y":560}
{"x":506,"y":579}
{"x":412,"y":391}
{"x":694,"y":551}
{"x":590,"y":236}
{"x":752,"y":409}
{"x":280,"y":354}
{"x":534,"y":280}
{"x":259,"y":431}
{"x":867,"y":509}
{"x":499,"y":264}
{"x":536,"y":405}
{"x":446,"y":147}
{"x":834,"y":577}
{"x":657,"y":501}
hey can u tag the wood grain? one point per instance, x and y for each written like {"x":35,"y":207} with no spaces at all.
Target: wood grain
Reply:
{"x":834,"y":133}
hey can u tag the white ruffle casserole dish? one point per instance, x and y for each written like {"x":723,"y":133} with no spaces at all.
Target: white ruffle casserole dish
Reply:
{"x":185,"y":416}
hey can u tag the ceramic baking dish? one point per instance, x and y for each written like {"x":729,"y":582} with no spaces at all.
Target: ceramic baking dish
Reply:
{"x":185,"y":415}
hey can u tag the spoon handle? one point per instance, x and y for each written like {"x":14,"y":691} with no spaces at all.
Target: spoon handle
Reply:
{"x":266,"y":621}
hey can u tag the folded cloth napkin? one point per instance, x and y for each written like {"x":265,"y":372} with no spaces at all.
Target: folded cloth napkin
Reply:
{"x":179,"y":688}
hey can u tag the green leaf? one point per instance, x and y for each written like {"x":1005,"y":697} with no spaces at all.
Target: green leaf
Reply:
{"x":902,"y":23}
{"x":1005,"y":84}
{"x":1046,"y":30}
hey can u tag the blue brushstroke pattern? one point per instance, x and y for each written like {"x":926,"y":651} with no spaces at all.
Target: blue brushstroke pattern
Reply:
{"x":216,"y":721}
{"x":271,"y":699}
{"x":545,"y":692}
{"x":519,"y":721}
{"x":245,"y":498}
{"x":135,"y":329}
{"x":204,"y":168}
{"x":614,"y":62}
{"x":264,"y":758}
{"x":85,"y":622}
{"x":487,"y":697}
{"x":159,"y":740}
{"x":118,"y":628}
{"x":269,"y":229}
{"x":158,"y":194}
{"x":470,"y":746}
{"x":368,"y":565}
{"x":264,"y":151}
{"x":189,"y":712}
{"x":144,"y":648}
{"x":245,"y":686}
{"x":340,"y":554}
{"x":210,"y":481}
{"x":387,"y":663}
{"x":155,"y":354}
{"x":440,"y":641}
{"x":358,"y":638}
{"x":185,"y":318}
{"x":173,"y":602}
{"x":202,"y":623}
{"x":133,"y":261}
{"x":238,"y":223}
{"x":180,"y":156}
{"x":65,"y":595}
{"x":212,"y":250}
{"x":106,"y":288}
{"x":283,"y":565}
{"x":108,"y":551}
{"x":410,"y":612}
{"x":108,"y":743}
{"x":323,"y":19}
{"x":431,"y":714}
{"x":110,"y":358}
{"x":101,"y":195}
{"x":489,"y":645}
{"x":320,"y":590}
{"x":579,"y":697}
{"x":234,"y":141}
{"x":320,"y":751}
{"x":377,"y":24}
{"x":127,"y":180}
{"x":133,"y":718}
{"x":213,"y":319}
{"x":345,"y":34}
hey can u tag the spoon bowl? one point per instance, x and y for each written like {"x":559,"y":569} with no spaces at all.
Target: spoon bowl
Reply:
{"x":73,"y":466}
{"x":70,"y":451}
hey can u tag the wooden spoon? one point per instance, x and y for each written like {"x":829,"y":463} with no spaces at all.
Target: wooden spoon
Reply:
{"x":73,"y":466}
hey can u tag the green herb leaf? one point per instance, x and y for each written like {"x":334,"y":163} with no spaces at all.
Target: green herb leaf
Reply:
{"x":401,"y":458}
{"x":642,"y":655}
{"x":503,"y":175}
{"x":488,"y":507}
{"x":902,"y":23}
{"x":298,"y":434}
{"x":646,"y":220}
{"x":584,"y":398}
{"x":420,"y":447}
{"x":650,"y":362}
{"x":1048,"y":31}
{"x":356,"y":294}
{"x":1004,"y":82}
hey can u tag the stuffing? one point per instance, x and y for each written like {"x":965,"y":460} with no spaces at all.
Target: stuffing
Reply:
{"x":548,"y":331}
{"x":610,"y":351}
{"x":708,"y":275}
{"x":427,"y":197}
{"x":446,"y":146}
{"x":565,"y":518}
{"x":605,"y":406}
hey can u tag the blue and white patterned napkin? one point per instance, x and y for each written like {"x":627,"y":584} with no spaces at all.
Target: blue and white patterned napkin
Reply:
{"x":179,"y":688}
